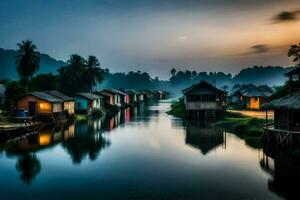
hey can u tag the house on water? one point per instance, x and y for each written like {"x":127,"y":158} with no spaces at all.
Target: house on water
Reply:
{"x":86,"y":102}
{"x":204,"y":101}
{"x":250,"y":96}
{"x":39,"y":103}
{"x":67,"y":102}
{"x":133,"y":97}
{"x":117,"y":96}
{"x":286,"y":113}
{"x":108,"y":98}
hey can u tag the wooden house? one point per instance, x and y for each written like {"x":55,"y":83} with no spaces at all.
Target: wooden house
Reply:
{"x":86,"y":102}
{"x":203,"y":101}
{"x":250,"y":96}
{"x":108,"y":98}
{"x":117,"y":96}
{"x":124,"y":97}
{"x":133,"y":97}
{"x":139,"y":95}
{"x":67,"y":102}
{"x":286,"y":113}
{"x":39,"y":103}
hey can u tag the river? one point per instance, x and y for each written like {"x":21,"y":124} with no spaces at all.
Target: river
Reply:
{"x":139,"y":154}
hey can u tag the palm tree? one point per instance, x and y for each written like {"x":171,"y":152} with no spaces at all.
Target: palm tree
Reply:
{"x":94,"y":73}
{"x":72,"y":75}
{"x":27,"y":61}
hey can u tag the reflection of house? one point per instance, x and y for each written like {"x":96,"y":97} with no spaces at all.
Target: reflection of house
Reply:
{"x":86,"y":102}
{"x":204,"y":101}
{"x":204,"y":138}
{"x":286,"y":112}
{"x":250,"y":96}
{"x":39,"y":103}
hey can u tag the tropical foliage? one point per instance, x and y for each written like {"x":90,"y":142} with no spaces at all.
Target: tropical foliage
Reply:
{"x":80,"y":75}
{"x":27,"y":60}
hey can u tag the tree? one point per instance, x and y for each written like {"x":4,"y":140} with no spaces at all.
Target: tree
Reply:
{"x":94,"y":73}
{"x":29,"y":167}
{"x":13,"y":91}
{"x":43,"y":82}
{"x":27,"y":61}
{"x":71,"y":76}
{"x":173,"y":72}
{"x":294,"y":51}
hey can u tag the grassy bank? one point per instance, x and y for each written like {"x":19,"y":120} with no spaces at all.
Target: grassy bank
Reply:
{"x":177,"y":109}
{"x":248,"y":128}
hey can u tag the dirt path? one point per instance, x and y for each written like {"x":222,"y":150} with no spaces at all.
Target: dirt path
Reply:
{"x":252,"y":113}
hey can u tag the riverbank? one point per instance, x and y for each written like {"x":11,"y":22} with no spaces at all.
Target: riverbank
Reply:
{"x":247,"y":127}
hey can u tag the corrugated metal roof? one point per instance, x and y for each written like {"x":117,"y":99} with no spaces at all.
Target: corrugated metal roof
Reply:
{"x":59,"y":95}
{"x":89,"y":96}
{"x":104,"y":93}
{"x":46,"y":97}
{"x":291,"y":102}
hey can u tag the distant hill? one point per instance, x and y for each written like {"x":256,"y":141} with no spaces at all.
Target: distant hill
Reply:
{"x":8,"y":66}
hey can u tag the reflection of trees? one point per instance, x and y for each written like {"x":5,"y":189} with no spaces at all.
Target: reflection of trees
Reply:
{"x":203,"y":137}
{"x":88,"y":141}
{"x":284,"y":169}
{"x":28,"y":166}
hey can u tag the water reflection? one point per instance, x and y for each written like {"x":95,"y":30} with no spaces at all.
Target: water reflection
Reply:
{"x":87,"y":141}
{"x":203,"y":137}
{"x":28,"y":166}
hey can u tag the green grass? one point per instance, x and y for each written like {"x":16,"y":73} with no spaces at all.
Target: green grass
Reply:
{"x":81,"y":117}
{"x":177,"y":109}
{"x":248,"y":128}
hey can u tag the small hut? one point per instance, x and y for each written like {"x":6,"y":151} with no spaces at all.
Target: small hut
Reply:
{"x":86,"y":102}
{"x":250,"y":96}
{"x":67,"y":102}
{"x":204,"y":101}
{"x":39,"y":103}
{"x":109,"y":98}
{"x":286,"y":112}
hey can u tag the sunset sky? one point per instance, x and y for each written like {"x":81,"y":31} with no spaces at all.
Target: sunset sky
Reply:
{"x":155,"y":36}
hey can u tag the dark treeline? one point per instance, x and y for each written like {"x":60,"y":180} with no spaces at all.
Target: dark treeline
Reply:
{"x":179,"y":80}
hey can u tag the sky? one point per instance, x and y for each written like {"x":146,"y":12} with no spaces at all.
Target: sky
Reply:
{"x":157,"y":35}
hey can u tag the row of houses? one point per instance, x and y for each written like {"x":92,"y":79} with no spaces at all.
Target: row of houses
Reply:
{"x":48,"y":102}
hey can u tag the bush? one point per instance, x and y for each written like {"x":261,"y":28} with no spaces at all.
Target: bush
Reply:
{"x":178,"y":109}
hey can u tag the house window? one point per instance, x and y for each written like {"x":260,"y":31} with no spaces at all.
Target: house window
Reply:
{"x":78,"y":104}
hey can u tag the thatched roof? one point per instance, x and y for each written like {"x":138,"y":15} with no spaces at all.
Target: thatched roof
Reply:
{"x":291,"y":102}
{"x":251,"y":90}
{"x":202,"y":87}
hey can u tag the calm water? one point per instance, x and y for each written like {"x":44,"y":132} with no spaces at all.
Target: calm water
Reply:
{"x":139,"y":154}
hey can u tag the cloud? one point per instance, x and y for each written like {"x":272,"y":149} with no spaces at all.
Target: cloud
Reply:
{"x":259,"y":49}
{"x":286,"y":16}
